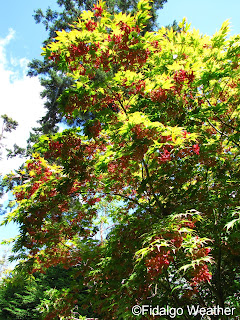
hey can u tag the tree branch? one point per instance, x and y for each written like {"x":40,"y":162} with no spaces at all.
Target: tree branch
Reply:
{"x":222,"y":133}
{"x":175,"y":298}
{"x":133,"y":200}
{"x":150,"y":184}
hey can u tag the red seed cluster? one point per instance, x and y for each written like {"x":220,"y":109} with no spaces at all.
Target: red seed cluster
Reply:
{"x":98,"y":11}
{"x":181,"y":76}
{"x":201,"y":274}
{"x":91,"y":25}
{"x":157,"y":263}
{"x":158,"y":95}
{"x":95,"y":129}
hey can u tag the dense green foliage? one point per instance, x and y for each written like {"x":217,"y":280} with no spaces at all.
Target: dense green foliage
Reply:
{"x":24,"y":296}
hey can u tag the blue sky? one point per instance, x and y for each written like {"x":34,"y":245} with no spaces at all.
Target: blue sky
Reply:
{"x":205,"y":15}
{"x":21,"y":40}
{"x":18,"y":15}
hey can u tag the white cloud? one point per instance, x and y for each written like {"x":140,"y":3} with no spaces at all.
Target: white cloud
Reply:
{"x":19,"y":99}
{"x":3,"y":43}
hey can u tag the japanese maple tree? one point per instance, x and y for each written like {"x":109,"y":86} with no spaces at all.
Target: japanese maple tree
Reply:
{"x":164,"y":144}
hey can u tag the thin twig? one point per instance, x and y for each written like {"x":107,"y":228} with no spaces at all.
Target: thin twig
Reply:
{"x":222,"y":133}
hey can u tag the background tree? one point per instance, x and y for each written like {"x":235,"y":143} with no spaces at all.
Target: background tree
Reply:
{"x":24,"y":296}
{"x":8,"y":125}
{"x":53,"y":82}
